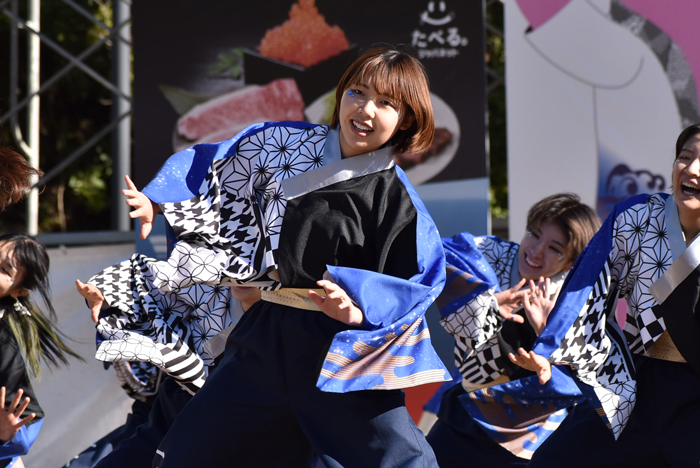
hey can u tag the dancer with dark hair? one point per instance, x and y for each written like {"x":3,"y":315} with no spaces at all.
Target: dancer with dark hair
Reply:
{"x":27,"y":337}
{"x":348,"y":260}
{"x":481,"y":306}
{"x":641,"y":382}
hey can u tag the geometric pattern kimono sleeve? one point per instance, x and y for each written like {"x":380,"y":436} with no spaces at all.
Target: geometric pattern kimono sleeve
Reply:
{"x":226,"y":205}
{"x":477,"y":268}
{"x":521,"y":414}
{"x":623,"y":259}
{"x":163,"y":328}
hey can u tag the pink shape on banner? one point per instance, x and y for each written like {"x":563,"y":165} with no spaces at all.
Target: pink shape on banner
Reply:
{"x":678,"y":19}
{"x":539,"y":12}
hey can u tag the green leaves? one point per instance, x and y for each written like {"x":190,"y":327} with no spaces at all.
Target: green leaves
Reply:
{"x":90,"y":184}
{"x":229,"y":65}
{"x":181,"y":99}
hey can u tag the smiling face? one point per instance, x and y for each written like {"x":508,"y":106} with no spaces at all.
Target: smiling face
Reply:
{"x":10,"y":274}
{"x":367,"y":119}
{"x":686,"y":179}
{"x":436,"y":14}
{"x":543,"y":252}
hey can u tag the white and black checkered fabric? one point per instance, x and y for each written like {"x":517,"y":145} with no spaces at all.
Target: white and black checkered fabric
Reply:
{"x":585,"y":346}
{"x":476,"y":324}
{"x":479,"y":366}
{"x":164,"y":328}
{"x":230,"y":229}
{"x":640,"y":255}
{"x":238,"y":212}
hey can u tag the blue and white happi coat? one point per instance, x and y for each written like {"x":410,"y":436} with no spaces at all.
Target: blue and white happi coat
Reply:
{"x":226,"y":202}
{"x":477,"y":268}
{"x":637,"y":244}
{"x":148,"y":329}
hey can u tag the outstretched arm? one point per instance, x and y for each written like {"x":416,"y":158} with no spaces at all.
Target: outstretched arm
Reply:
{"x":144,"y":208}
{"x":11,"y":420}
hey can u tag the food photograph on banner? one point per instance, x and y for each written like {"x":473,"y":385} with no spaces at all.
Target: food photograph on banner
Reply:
{"x":206,"y":70}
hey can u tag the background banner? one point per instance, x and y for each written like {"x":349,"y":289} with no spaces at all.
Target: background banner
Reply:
{"x":597,"y":92}
{"x":206,"y":70}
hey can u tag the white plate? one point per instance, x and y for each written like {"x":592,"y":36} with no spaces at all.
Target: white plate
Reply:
{"x":315,"y":111}
{"x":444,"y":118}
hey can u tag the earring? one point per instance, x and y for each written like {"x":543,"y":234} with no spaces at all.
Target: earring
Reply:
{"x":20,"y":308}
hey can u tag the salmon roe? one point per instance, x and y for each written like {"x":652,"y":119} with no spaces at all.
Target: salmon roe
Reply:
{"x":305,"y":38}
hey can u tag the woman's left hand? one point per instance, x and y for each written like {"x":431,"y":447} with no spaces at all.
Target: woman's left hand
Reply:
{"x":509,"y":300}
{"x":337,"y":304}
{"x":10,"y":418}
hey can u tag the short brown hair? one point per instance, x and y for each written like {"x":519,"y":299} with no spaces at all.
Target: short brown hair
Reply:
{"x":15,"y":177}
{"x":400,"y":76}
{"x":577,"y":221}
{"x":686,"y":135}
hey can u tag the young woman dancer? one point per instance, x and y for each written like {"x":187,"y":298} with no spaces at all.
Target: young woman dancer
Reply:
{"x":641,"y":382}
{"x":26,"y":337}
{"x":481,"y":307}
{"x":288,"y":207}
{"x":19,"y":335}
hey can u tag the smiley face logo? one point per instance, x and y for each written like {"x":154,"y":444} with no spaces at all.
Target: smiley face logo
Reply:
{"x":436,"y":18}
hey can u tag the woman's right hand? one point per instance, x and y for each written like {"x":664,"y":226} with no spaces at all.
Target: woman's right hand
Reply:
{"x":337,"y":304}
{"x":533,"y":362}
{"x":94,"y":297}
{"x":144,"y":208}
{"x":11,"y":420}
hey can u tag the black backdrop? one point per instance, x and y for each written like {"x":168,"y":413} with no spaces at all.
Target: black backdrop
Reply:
{"x":177,"y":41}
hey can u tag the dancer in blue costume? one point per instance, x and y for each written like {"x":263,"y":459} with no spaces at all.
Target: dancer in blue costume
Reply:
{"x":481,"y":307}
{"x":641,"y":382}
{"x":348,"y":260}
